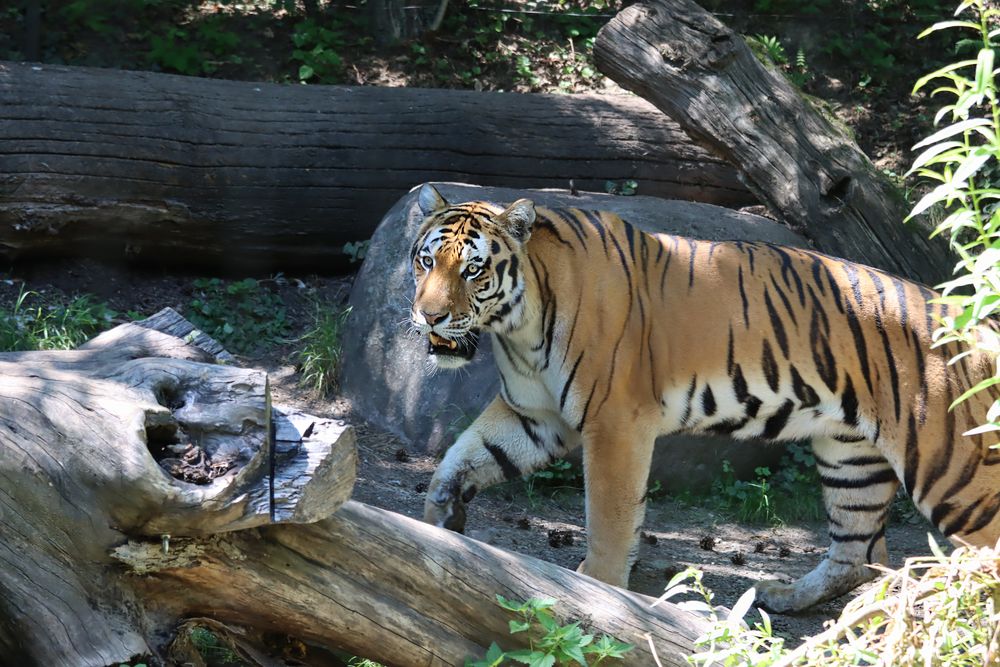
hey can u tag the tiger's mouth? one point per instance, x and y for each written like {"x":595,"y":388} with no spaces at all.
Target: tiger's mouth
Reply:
{"x":463,"y":348}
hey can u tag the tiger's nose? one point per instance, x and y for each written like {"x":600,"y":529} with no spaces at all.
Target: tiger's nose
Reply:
{"x":433,"y":319}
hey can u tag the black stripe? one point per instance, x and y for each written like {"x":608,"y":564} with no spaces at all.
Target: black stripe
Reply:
{"x":569,"y":381}
{"x":911,"y":458}
{"x":728,"y":426}
{"x":770,"y":367}
{"x":877,"y":477}
{"x":543,"y":224}
{"x":852,"y":537}
{"x":630,"y":237}
{"x":826,"y":365}
{"x":863,"y":461}
{"x":776,"y":324}
{"x":849,"y":402}
{"x":596,"y":222}
{"x":851,"y":271}
{"x":573,"y":223}
{"x":586,"y":407}
{"x":985,"y":516}
{"x":875,"y":538}
{"x":693,"y":247}
{"x":806,"y":394}
{"x":786,"y":268}
{"x":784,"y":300}
{"x":510,"y":471}
{"x":743,"y":296}
{"x":708,"y":401}
{"x":776,"y":423}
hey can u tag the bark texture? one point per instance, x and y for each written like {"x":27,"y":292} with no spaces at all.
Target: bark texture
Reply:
{"x":802,"y":165}
{"x":104,"y":555}
{"x":237,"y":175}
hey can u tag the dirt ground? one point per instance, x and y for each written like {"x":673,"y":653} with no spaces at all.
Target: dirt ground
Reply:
{"x":548,"y":524}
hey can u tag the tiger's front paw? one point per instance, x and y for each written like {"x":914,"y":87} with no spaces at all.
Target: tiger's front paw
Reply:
{"x":445,"y":504}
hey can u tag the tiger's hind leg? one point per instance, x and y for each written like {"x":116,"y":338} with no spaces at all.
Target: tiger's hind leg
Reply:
{"x":858,"y":487}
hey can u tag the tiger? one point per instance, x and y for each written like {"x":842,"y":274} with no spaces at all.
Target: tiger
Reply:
{"x":606,"y":337}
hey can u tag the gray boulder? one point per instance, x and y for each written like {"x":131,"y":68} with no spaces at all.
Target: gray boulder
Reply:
{"x":386,"y":373}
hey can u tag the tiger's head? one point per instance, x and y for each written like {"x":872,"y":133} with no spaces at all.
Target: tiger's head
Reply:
{"x":468,"y":268}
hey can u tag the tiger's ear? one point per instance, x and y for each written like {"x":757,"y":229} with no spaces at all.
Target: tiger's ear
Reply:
{"x":517,"y":219}
{"x":430,"y":199}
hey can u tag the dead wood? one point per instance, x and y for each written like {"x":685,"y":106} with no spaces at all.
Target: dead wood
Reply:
{"x":798,"y":161}
{"x":237,"y":176}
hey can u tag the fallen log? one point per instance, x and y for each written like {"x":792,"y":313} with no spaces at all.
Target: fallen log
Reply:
{"x":239,"y":176}
{"x":144,"y":487}
{"x":396,"y":590}
{"x":802,"y":165}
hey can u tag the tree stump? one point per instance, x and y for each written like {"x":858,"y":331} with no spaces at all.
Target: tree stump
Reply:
{"x":803,"y":166}
{"x":104,"y":555}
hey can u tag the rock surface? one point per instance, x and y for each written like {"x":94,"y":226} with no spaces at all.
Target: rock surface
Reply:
{"x":386,"y":372}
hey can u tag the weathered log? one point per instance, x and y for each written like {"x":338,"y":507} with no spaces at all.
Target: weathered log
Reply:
{"x":805,"y":167}
{"x":79,"y":431}
{"x":103,"y":554}
{"x":244,"y":175}
{"x":389,"y":588}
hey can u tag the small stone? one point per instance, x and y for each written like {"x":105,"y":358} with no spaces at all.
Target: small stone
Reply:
{"x":707,"y":543}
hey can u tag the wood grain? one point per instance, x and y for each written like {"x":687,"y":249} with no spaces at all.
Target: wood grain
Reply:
{"x":178,"y":170}
{"x":796,"y":160}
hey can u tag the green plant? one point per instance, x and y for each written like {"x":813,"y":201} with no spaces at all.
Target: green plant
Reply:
{"x":625,"y":188}
{"x":319,"y":358}
{"x":30,"y":325}
{"x":556,"y":476}
{"x":771,"y":48}
{"x":792,"y":493}
{"x":937,"y":610}
{"x":555,"y":644}
{"x":316,"y":48}
{"x":961,"y":158}
{"x":356,"y":251}
{"x":242,"y":315}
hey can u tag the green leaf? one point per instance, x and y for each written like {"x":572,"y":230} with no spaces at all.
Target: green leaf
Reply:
{"x":306,"y":72}
{"x":518,"y":626}
{"x":985,"y":384}
{"x":943,"y":25}
{"x":952,"y":130}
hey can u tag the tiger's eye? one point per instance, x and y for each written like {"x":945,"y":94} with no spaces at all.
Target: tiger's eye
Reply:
{"x":427,"y":261}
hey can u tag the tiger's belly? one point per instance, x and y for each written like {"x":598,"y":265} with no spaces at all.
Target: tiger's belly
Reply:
{"x":757,"y":412}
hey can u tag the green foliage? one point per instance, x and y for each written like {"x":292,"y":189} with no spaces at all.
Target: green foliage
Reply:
{"x":961,"y":162}
{"x":770,"y":47}
{"x":319,"y":358}
{"x":792,"y":493}
{"x":356,"y":251}
{"x":242,"y":315}
{"x":554,"y":644}
{"x":557,"y":476}
{"x":30,"y":324}
{"x":935,"y":610}
{"x":625,"y":188}
{"x":317,"y":49}
{"x":194,"y":50}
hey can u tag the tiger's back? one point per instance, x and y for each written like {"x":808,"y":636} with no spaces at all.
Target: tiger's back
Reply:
{"x":624,"y":336}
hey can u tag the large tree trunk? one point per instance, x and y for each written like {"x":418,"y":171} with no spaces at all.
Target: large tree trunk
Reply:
{"x":805,"y":167}
{"x":242,"y":175}
{"x":103,"y":553}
